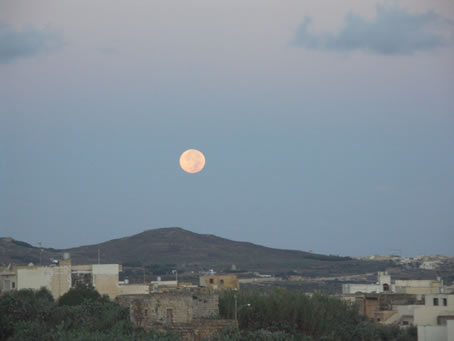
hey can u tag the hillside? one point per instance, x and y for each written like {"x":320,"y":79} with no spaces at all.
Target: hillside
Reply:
{"x":185,"y":250}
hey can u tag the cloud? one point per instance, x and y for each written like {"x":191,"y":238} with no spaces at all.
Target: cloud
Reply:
{"x":27,"y":43}
{"x":394,"y":31}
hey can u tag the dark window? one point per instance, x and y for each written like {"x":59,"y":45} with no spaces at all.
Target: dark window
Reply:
{"x":169,"y":318}
{"x":145,"y":312}
{"x":211,"y":280}
{"x":435,"y":301}
{"x":386,"y":287}
{"x":13,"y":285}
{"x":405,"y":323}
{"x":445,"y":301}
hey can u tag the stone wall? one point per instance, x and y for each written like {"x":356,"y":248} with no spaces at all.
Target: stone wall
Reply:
{"x":170,"y":308}
{"x":177,"y":306}
{"x":205,"y":305}
{"x":198,"y":329}
{"x":190,"y":313}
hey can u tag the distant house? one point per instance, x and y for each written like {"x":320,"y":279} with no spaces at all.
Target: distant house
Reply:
{"x":384,"y":285}
{"x":219,"y":282}
{"x":58,"y":278}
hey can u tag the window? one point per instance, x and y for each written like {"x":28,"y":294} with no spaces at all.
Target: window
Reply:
{"x":145,"y":312}
{"x":445,"y":302}
{"x":211,"y":280}
{"x":386,"y":287}
{"x":13,"y":285}
{"x":405,"y":323}
{"x":435,"y":301}
{"x":169,"y":318}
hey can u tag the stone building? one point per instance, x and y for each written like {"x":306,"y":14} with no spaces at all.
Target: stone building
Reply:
{"x":219,"y":282}
{"x":192,"y":313}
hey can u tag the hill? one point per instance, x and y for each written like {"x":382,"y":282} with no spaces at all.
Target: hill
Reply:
{"x":163,"y":248}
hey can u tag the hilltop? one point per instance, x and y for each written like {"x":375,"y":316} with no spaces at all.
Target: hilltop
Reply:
{"x":186,"y":250}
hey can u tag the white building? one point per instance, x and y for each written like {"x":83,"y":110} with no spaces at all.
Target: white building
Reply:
{"x":383,"y":285}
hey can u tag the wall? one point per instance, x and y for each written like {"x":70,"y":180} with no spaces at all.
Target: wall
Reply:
{"x":205,"y":305}
{"x":55,"y":278}
{"x":363,"y":288}
{"x":426,"y":315}
{"x":139,"y":308}
{"x":432,"y":333}
{"x":105,"y":279}
{"x":191,"y":311}
{"x":201,"y":329}
{"x":429,"y":300}
{"x":170,"y":308}
{"x":417,"y":286}
{"x":134,"y":289}
{"x":450,"y":327}
{"x":178,"y":306}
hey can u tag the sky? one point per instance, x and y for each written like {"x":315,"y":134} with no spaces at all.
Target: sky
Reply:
{"x":325,"y":125}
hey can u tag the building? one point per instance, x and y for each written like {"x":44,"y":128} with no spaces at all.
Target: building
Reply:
{"x":433,"y":314}
{"x":8,"y":279}
{"x":217,"y":282}
{"x":57,"y":279}
{"x":421,"y":287}
{"x":436,"y":333}
{"x":384,"y":285}
{"x":192,"y":313}
{"x":60,"y":277}
{"x":379,"y":307}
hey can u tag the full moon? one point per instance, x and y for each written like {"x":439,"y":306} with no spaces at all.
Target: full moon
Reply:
{"x":192,"y":161}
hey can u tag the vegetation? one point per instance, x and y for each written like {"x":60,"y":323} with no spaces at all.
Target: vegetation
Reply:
{"x":277,"y":315}
{"x":294,"y":315}
{"x":80,"y":314}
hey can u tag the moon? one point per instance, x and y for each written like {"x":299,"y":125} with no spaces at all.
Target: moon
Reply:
{"x":192,"y":161}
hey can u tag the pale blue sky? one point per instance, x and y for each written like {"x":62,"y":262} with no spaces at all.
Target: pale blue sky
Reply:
{"x":325,"y":127}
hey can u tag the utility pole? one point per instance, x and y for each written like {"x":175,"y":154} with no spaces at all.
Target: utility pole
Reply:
{"x":99,"y":256}
{"x":40,"y":252}
{"x":236,"y":307}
